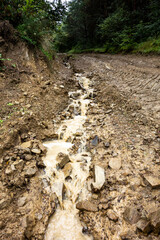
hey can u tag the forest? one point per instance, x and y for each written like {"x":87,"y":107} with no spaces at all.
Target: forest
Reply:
{"x":76,"y":26}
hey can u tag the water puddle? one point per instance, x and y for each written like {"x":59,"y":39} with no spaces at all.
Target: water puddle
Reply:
{"x":68,"y":172}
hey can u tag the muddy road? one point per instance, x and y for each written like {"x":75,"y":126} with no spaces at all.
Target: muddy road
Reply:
{"x":97,"y":117}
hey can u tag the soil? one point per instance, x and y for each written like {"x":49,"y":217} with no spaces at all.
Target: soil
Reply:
{"x":34,"y":96}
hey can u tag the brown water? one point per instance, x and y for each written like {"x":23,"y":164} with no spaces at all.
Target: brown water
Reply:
{"x":65,"y":223}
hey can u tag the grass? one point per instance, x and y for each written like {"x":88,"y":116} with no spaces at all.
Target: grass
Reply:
{"x":149,"y":46}
{"x":152,"y":45}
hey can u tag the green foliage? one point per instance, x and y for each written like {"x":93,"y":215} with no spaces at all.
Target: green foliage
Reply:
{"x":1,"y":122}
{"x":35,"y":20}
{"x":114,"y":26}
{"x":9,"y":104}
{"x":99,"y":26}
{"x":2,"y":60}
{"x":149,"y":46}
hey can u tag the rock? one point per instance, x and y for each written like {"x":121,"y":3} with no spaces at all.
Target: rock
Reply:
{"x":67,"y":170}
{"x":103,"y":206}
{"x":62,"y":159}
{"x":115,"y":163}
{"x":134,"y":183}
{"x":30,"y":223}
{"x":87,"y":206}
{"x":155,"y":220}
{"x":9,"y":170}
{"x":153,"y":181}
{"x":40,"y":163}
{"x":21,"y":201}
{"x":99,"y":178}
{"x":127,"y":235}
{"x":2,"y":225}
{"x":95,"y":196}
{"x":19,"y":164}
{"x":79,"y":133}
{"x":42,"y":147}
{"x":112,"y":215}
{"x":28,"y":157}
{"x":144,"y":225}
{"x":26,"y":144}
{"x":39,"y":216}
{"x":4,"y":203}
{"x":95,"y":141}
{"x":36,"y":150}
{"x":106,"y":144}
{"x":75,"y":95}
{"x":30,"y":171}
{"x":131,"y":215}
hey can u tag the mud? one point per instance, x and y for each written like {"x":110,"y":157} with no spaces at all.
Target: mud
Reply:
{"x":126,"y":122}
{"x":123,"y":137}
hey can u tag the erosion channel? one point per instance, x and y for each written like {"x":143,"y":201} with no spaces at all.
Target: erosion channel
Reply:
{"x":68,"y":172}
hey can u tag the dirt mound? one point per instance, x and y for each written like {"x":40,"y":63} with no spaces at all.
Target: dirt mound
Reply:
{"x":33,"y":94}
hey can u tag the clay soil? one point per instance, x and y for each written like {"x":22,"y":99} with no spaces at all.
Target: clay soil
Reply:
{"x":34,"y":95}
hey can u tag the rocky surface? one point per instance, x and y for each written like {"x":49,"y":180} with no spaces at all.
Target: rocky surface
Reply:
{"x":123,"y":137}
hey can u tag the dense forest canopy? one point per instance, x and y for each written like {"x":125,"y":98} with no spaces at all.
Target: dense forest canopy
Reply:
{"x":87,"y":25}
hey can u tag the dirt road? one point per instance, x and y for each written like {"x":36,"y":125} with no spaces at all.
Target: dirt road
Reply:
{"x":123,"y":137}
{"x":126,"y":121}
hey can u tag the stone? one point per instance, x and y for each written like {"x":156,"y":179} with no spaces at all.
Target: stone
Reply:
{"x":62,"y":159}
{"x":127,"y":235}
{"x":144,"y":225}
{"x":2,"y":225}
{"x":9,"y":170}
{"x":26,"y":144}
{"x":95,"y":196}
{"x":95,"y":141}
{"x":21,"y":201}
{"x":131,"y":215}
{"x":28,"y":157}
{"x":79,"y":133}
{"x":103,"y":206}
{"x":30,"y":171}
{"x":107,"y":144}
{"x":39,"y":216}
{"x":87,"y":206}
{"x":99,"y":178}
{"x":112,"y":215}
{"x":19,"y":164}
{"x":36,"y":150}
{"x":67,"y":170}
{"x":115,"y":163}
{"x":42,"y":147}
{"x":4,"y":203}
{"x":155,"y":220}
{"x":153,"y":181}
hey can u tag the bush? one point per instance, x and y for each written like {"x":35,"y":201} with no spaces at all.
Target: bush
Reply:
{"x":149,"y":46}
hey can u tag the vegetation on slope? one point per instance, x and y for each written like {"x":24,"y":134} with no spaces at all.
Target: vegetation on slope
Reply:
{"x":87,"y":25}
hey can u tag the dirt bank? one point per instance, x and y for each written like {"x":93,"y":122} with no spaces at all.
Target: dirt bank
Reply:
{"x":33,"y":93}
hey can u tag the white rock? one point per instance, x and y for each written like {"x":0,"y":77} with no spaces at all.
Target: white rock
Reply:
{"x":115,"y":163}
{"x":99,"y":177}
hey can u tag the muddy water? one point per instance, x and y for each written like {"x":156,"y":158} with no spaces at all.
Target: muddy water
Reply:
{"x":65,"y":223}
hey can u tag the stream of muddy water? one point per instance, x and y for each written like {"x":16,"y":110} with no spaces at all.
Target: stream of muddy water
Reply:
{"x":69,"y":182}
